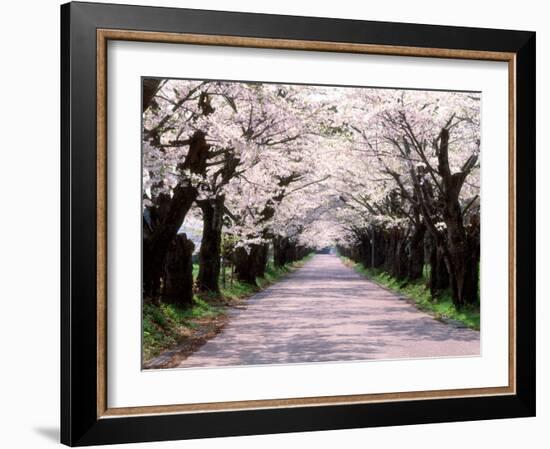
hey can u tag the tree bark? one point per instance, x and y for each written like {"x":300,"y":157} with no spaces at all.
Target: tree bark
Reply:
{"x":280,"y":246}
{"x":473,"y":235}
{"x":365,"y":251}
{"x":244,"y":267}
{"x":178,"y":272}
{"x":250,"y":265}
{"x":389,"y":253}
{"x":150,"y":88}
{"x":400,"y":262}
{"x":439,"y":277}
{"x":378,"y":248}
{"x":416,"y":253}
{"x":261,"y":260}
{"x":210,"y":250}
{"x":157,"y":243}
{"x":163,"y":220}
{"x":463,"y":274}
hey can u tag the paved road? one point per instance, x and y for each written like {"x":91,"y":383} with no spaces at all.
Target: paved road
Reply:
{"x":325,"y":311}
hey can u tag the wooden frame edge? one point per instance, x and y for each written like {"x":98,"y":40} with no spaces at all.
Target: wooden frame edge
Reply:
{"x":101,"y":223}
{"x":319,"y":401}
{"x":292,"y":44}
{"x":103,"y":36}
{"x":512,"y":267}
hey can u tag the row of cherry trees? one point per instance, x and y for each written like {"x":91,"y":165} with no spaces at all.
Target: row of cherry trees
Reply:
{"x":390,"y":176}
{"x":412,"y":195}
{"x":239,"y":155}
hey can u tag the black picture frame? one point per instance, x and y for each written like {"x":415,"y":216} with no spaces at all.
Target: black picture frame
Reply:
{"x":80,"y":424}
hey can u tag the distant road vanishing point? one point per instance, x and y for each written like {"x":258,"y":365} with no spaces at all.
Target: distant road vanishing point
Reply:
{"x":326,"y":311}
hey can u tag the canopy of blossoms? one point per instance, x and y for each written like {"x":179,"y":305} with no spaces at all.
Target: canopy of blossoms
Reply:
{"x":318,"y":166}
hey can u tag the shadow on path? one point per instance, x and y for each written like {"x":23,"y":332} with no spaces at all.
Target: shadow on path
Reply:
{"x":325,"y":311}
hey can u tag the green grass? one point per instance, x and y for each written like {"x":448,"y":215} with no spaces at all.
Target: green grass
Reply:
{"x":440,"y":307}
{"x":165,"y":325}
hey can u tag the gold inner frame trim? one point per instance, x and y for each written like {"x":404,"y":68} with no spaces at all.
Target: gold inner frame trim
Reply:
{"x":104,"y":35}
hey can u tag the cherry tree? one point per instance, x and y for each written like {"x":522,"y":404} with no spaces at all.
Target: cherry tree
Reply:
{"x":197,"y":137}
{"x":428,"y":143}
{"x":389,"y":176}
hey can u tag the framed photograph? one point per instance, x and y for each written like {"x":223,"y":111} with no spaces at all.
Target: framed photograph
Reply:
{"x":281,"y":224}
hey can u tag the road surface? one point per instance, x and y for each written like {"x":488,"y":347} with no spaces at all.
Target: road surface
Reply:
{"x":326,"y":311}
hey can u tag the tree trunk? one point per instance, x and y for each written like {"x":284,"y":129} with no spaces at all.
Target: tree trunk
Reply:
{"x":178,"y":272}
{"x":292,"y":252}
{"x":373,"y":248}
{"x":472,"y":233}
{"x":157,"y":243}
{"x":378,"y":248}
{"x":150,"y":88}
{"x":261,"y":260}
{"x":400,"y":261}
{"x":439,"y":277}
{"x":250,"y":265}
{"x":162,"y":221}
{"x":416,"y":253}
{"x":244,"y":266}
{"x":462,"y":264}
{"x":462,"y":273}
{"x":365,"y":251}
{"x":391,"y":251}
{"x":462,"y":259}
{"x":280,"y":250}
{"x":304,"y":251}
{"x":209,"y":255}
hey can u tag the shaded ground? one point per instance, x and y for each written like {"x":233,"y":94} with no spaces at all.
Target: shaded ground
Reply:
{"x":204,"y":330}
{"x":326,"y":311}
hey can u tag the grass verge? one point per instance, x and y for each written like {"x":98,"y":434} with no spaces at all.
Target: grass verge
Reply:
{"x":166,"y":326}
{"x":442,"y":307}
